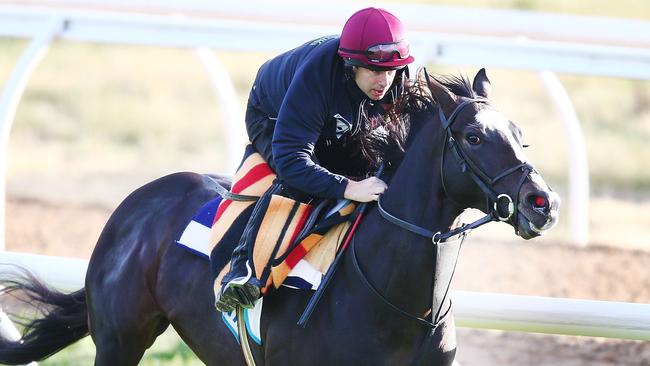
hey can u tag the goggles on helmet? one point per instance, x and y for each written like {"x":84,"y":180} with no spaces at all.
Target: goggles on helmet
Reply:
{"x":384,"y":52}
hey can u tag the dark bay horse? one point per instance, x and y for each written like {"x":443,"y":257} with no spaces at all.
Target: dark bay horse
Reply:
{"x":461,"y":153}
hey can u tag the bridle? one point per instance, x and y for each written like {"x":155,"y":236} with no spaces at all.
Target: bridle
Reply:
{"x":495,"y":202}
{"x":500,"y":206}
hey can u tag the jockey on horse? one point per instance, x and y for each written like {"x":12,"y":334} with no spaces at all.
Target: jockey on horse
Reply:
{"x":305,"y":114}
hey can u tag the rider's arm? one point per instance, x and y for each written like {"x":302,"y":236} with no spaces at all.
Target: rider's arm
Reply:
{"x":300,"y":122}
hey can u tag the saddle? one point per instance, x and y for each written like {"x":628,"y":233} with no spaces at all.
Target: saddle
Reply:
{"x":293,"y":236}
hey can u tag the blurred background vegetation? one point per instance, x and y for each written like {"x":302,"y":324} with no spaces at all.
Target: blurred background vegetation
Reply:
{"x":98,"y":120}
{"x":109,"y":108}
{"x":638,"y":9}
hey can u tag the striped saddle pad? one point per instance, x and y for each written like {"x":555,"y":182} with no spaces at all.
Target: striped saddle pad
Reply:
{"x":285,"y":253}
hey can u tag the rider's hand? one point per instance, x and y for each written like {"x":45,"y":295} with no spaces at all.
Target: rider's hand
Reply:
{"x":366,"y":190}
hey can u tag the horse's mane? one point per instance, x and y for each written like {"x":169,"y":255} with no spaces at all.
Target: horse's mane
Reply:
{"x":399,"y":126}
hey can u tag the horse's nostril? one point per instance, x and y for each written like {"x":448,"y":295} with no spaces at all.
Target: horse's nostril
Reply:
{"x":538,"y":202}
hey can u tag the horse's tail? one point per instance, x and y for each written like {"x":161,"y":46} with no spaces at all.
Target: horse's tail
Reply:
{"x":65,"y":320}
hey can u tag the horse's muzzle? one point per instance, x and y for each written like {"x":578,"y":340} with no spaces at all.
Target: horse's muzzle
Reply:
{"x":538,"y":208}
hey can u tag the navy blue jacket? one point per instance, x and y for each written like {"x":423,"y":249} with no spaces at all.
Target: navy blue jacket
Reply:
{"x":308,"y":98}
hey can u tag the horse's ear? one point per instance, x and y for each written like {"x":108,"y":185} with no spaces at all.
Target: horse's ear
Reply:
{"x":481,"y":84}
{"x":439,"y":92}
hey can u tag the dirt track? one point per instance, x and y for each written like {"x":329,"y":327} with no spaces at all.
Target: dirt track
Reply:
{"x":546,"y":269}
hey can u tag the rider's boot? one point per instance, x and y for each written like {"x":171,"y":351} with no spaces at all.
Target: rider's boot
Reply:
{"x":239,"y":287}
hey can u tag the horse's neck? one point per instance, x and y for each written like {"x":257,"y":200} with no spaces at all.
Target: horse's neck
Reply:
{"x":404,"y":261}
{"x":416,"y":193}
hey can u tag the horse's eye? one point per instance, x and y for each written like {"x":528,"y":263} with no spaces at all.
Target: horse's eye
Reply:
{"x":473,"y":139}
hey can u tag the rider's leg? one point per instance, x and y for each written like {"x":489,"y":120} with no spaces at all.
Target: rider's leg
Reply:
{"x":239,"y":285}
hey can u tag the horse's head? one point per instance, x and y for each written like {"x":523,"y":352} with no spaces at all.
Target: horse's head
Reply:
{"x":484,"y":163}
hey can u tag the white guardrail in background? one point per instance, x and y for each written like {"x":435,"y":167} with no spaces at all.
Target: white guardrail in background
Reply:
{"x":458,"y":36}
{"x":471,"y":309}
{"x":445,"y":35}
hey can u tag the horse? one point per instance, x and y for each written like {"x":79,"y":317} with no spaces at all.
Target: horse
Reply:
{"x":378,"y":308}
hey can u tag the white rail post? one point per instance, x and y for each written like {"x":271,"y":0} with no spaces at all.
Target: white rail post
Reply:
{"x":11,"y":95}
{"x":578,"y":167}
{"x":227,"y":96}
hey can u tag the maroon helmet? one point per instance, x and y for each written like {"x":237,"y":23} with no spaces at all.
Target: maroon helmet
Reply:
{"x":376,"y":39}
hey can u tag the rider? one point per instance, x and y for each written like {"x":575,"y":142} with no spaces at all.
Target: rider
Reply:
{"x":304,"y":110}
